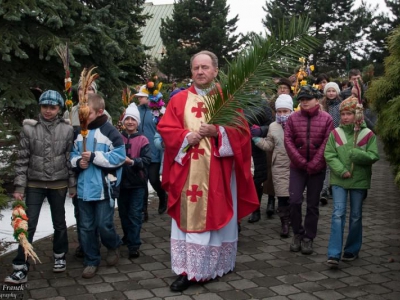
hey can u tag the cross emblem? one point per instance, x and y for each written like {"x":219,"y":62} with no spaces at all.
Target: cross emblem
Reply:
{"x":196,"y":151}
{"x":194,"y":193}
{"x":199,"y":109}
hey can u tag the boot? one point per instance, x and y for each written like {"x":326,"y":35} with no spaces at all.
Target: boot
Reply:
{"x":284,"y":214}
{"x":162,"y":205}
{"x":255,"y":216}
{"x":271,"y":206}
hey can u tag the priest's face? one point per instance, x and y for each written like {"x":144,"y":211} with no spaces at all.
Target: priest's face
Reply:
{"x":203,"y":71}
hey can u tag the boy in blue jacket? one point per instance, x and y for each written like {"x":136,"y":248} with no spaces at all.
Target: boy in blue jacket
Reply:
{"x":99,"y":175}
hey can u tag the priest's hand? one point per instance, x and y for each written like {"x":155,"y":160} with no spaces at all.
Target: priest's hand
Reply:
{"x":194,"y":138}
{"x":208,"y":130}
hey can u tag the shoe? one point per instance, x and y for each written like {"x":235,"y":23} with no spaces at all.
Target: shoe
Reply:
{"x":162,"y":206}
{"x":296,"y":243}
{"x":18,"y":276}
{"x":134,"y":254}
{"x":306,"y":246}
{"x":271,"y":206}
{"x":79,"y":252}
{"x":255,"y":216}
{"x":324,"y":198}
{"x":180,"y":284}
{"x":284,"y":227}
{"x":60,"y":263}
{"x":333,"y":262}
{"x":349,"y":256}
{"x":89,"y":272}
{"x":112,"y":257}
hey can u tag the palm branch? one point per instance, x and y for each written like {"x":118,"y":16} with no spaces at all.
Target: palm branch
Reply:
{"x":253,"y":71}
{"x":63,"y":52}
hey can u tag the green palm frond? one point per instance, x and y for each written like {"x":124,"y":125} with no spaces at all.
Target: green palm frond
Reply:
{"x":253,"y":71}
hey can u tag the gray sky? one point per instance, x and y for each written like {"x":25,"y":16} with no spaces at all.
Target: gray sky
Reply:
{"x":251,"y":13}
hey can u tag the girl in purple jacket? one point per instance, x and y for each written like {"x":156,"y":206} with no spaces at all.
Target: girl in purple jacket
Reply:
{"x":306,"y":134}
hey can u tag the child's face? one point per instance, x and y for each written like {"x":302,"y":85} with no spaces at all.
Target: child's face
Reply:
{"x":331,"y":93}
{"x":143,"y":100}
{"x":347,"y":117}
{"x":283,"y":111}
{"x":283,"y":89}
{"x":94,"y":114}
{"x":322,"y":84}
{"x":307,"y":104}
{"x":131,"y":125}
{"x":49,"y":112}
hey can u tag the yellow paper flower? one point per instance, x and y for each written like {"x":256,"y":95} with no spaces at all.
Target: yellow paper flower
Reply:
{"x":303,"y":82}
{"x":302,"y":60}
{"x":312,"y":68}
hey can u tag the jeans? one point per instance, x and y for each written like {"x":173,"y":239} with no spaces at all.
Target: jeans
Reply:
{"x":299,"y":180}
{"x":96,"y":216}
{"x":34,"y":200}
{"x":130,"y":206}
{"x":354,"y":238}
{"x":75,"y":202}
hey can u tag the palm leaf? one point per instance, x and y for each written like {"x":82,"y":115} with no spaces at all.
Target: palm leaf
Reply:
{"x":253,"y":71}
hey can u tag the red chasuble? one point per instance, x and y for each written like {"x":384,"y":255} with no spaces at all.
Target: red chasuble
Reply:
{"x":199,"y":188}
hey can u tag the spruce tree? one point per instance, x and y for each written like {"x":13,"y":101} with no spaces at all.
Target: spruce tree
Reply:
{"x":99,"y":33}
{"x":197,"y":25}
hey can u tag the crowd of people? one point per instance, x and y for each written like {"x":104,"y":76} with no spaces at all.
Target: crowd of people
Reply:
{"x":324,"y":148}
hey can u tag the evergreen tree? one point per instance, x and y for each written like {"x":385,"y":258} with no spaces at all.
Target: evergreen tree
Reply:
{"x":333,"y":22}
{"x":98,"y":33}
{"x":197,"y":25}
{"x":384,"y":94}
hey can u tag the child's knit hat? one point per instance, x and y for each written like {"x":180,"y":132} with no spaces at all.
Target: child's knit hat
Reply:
{"x":284,"y":101}
{"x":51,"y":98}
{"x":133,"y":112}
{"x":332,"y":85}
{"x":350,"y":104}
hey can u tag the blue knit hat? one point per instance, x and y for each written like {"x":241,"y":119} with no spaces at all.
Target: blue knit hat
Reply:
{"x":51,"y":98}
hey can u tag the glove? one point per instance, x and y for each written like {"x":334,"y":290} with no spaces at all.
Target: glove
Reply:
{"x":256,"y":139}
{"x":255,"y":131}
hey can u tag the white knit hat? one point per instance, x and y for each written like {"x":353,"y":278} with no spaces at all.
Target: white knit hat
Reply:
{"x":284,"y":101}
{"x":133,"y":112}
{"x":332,"y":85}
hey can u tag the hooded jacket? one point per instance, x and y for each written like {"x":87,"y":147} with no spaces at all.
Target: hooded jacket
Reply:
{"x":43,"y":155}
{"x":342,"y":156}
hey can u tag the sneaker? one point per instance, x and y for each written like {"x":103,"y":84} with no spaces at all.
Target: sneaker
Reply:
{"x":296,"y":243}
{"x":112,"y":257}
{"x":18,"y":276}
{"x":134,"y":254}
{"x":349,"y":256}
{"x":59,"y":263}
{"x":89,"y":272}
{"x":79,"y":252}
{"x":306,"y":246}
{"x":333,"y":262}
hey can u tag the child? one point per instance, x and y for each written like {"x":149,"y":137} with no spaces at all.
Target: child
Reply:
{"x":306,"y":133}
{"x":350,"y":154}
{"x":330,"y":103}
{"x":134,"y":180}
{"x":280,"y":160}
{"x":43,"y":171}
{"x":99,"y":174}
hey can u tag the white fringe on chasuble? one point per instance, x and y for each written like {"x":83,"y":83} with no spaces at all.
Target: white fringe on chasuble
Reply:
{"x":209,"y":254}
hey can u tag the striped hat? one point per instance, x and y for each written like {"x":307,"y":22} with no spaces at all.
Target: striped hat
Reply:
{"x":350,"y":104}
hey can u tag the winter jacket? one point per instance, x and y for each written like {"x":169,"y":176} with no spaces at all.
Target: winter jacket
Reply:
{"x":332,"y":108}
{"x":102,"y":178}
{"x":280,"y":161}
{"x":342,"y":156}
{"x":137,"y":148}
{"x":158,"y":143}
{"x":306,"y":134}
{"x":147,"y":127}
{"x":43,"y":155}
{"x":261,"y":117}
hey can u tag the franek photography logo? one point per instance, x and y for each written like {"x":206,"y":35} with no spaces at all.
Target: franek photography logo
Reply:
{"x":12,"y":291}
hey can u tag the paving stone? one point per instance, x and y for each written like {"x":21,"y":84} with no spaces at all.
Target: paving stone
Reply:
{"x":72,"y":290}
{"x":250,"y":274}
{"x":110,"y":295}
{"x":242,"y":284}
{"x":99,"y":288}
{"x":295,"y":269}
{"x":115,"y":277}
{"x":244,"y":258}
{"x":335,"y":274}
{"x":43,"y":293}
{"x":140,"y":275}
{"x":207,"y":296}
{"x":259,"y":292}
{"x":332,"y":284}
{"x":354,"y":281}
{"x":329,"y":295}
{"x":164,"y":292}
{"x":138,"y":294}
{"x":309,"y":286}
{"x":290,"y":279}
{"x":303,"y":296}
{"x":235,"y":294}
{"x":126,"y":285}
{"x":392,"y":296}
{"x":218,"y":286}
{"x":129,"y":268}
{"x":285,"y":289}
{"x":375,"y":278}
{"x":375,"y":289}
{"x":356,"y":271}
{"x":62,"y":282}
{"x":181,"y":297}
{"x":153,"y":266}
{"x":152,"y":283}
{"x":351,"y":292}
{"x":36,"y":284}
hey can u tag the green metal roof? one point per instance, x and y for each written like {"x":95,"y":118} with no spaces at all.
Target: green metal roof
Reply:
{"x":151,"y":33}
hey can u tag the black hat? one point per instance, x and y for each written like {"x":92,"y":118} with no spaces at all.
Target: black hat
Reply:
{"x":308,"y":92}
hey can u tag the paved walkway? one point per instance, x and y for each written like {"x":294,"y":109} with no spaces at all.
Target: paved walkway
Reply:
{"x":265,"y":268}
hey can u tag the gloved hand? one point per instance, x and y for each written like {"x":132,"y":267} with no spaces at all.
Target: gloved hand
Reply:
{"x":256,"y":139}
{"x":255,"y":131}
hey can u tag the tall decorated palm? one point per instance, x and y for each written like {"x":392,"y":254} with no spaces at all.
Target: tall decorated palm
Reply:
{"x":253,"y":71}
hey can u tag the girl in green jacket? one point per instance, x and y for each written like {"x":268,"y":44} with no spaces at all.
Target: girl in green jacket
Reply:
{"x":350,"y":152}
